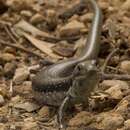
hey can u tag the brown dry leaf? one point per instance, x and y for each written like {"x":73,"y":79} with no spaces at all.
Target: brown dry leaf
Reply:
{"x":45,"y":47}
{"x":27,"y":27}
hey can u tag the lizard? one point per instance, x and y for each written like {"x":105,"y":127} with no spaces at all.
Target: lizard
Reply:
{"x":51,"y":84}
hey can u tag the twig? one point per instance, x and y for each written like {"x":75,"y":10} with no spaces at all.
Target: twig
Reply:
{"x":11,"y":88}
{"x":108,"y":59}
{"x":9,"y":33}
{"x":15,"y":41}
{"x":104,"y":76}
{"x":5,"y":22}
{"x":21,"y":48}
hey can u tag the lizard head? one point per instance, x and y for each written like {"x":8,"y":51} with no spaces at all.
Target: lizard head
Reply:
{"x":85,"y":79}
{"x":85,"y":68}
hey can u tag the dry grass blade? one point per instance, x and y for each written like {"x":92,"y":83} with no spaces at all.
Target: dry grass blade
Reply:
{"x":43,"y":46}
{"x":20,"y":48}
{"x":25,"y":26}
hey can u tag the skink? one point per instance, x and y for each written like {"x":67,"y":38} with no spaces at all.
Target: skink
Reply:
{"x":72,"y":80}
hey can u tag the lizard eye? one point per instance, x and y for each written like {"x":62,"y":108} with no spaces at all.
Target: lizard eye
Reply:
{"x":78,"y":69}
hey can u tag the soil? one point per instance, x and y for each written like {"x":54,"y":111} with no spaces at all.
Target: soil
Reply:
{"x":37,"y":33}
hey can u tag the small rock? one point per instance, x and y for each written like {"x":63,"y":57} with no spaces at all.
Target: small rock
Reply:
{"x":123,"y":106}
{"x":115,"y":88}
{"x":21,"y":74}
{"x":106,"y":84}
{"x":86,"y":17}
{"x":27,"y":106}
{"x":111,"y":121}
{"x":62,"y":50}
{"x":115,"y":92}
{"x":2,"y":126}
{"x":2,"y":101}
{"x":3,"y":89}
{"x":51,"y":19}
{"x":10,"y":50}
{"x":127,"y":124}
{"x":17,"y":5}
{"x":72,"y":28}
{"x":37,"y":18}
{"x":15,"y":99}
{"x":44,"y":112}
{"x":26,"y":13}
{"x":125,"y":66}
{"x":9,"y":69}
{"x":104,"y":5}
{"x":7,"y":57}
{"x":24,"y":88}
{"x":82,"y":118}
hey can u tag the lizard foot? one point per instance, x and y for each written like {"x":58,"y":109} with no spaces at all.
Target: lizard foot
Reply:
{"x":61,"y":111}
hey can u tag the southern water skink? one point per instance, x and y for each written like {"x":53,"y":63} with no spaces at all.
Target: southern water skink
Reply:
{"x":71,"y":80}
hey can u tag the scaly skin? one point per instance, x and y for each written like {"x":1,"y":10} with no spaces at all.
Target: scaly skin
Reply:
{"x":73,"y":80}
{"x":59,"y":77}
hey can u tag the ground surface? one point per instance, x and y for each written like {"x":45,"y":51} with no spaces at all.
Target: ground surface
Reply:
{"x":36,"y":33}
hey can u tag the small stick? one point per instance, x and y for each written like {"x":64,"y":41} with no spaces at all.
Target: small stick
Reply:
{"x":20,"y":48}
{"x":14,"y":40}
{"x":11,"y":88}
{"x":108,"y":59}
{"x":104,"y":76}
{"x":9,"y":33}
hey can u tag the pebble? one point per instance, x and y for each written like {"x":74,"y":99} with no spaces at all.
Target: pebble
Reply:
{"x":111,"y":121}
{"x":37,"y":18}
{"x":24,"y":88}
{"x":26,"y":13}
{"x":51,"y":19}
{"x":115,"y":92}
{"x":104,"y":5}
{"x":82,"y":118}
{"x":21,"y":74}
{"x":2,"y":101}
{"x":86,"y":17}
{"x":2,"y":126}
{"x":115,"y":88}
{"x":127,"y":124}
{"x":72,"y":28}
{"x":125,"y":66}
{"x":3,"y":90}
{"x":10,"y":50}
{"x":16,"y":99}
{"x":106,"y":84}
{"x":123,"y":106}
{"x":9,"y":69}
{"x":65,"y":51}
{"x":7,"y":57}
